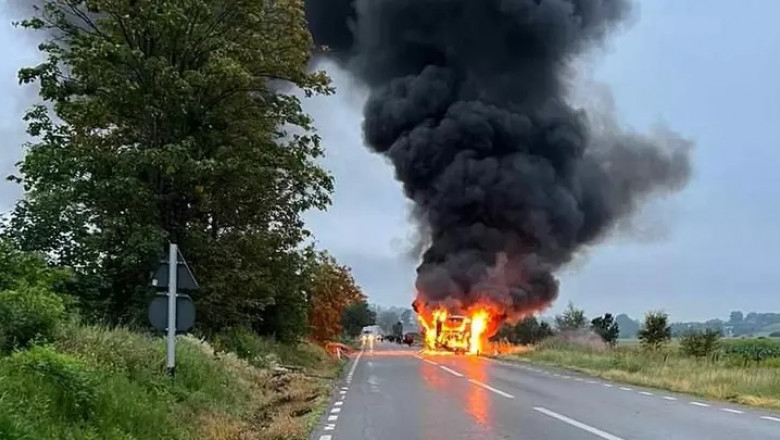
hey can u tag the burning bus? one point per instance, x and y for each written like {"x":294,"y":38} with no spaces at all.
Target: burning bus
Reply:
{"x":465,"y":332}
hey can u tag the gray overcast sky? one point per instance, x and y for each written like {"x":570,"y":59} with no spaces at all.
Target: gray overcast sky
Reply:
{"x":709,"y":72}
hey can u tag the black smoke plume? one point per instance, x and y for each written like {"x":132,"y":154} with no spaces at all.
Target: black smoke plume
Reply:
{"x":468,"y":101}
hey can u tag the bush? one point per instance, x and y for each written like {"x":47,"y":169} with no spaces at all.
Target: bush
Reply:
{"x":527,"y":331}
{"x":606,"y":327}
{"x":700,"y":343}
{"x":29,"y":314}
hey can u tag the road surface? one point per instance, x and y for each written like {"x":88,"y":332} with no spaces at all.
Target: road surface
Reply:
{"x":393,"y":393}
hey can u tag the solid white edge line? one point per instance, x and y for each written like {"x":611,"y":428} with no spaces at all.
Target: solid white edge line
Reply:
{"x":774,"y":419}
{"x":451,"y":371}
{"x":488,"y":387}
{"x":705,"y":405}
{"x":354,"y":365}
{"x":430,"y":362}
{"x":733,"y":411}
{"x":577,"y":424}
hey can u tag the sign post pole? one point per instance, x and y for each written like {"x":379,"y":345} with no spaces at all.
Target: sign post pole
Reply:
{"x":173,"y":263}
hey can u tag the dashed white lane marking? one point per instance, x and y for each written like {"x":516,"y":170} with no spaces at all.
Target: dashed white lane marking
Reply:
{"x":669,"y":398}
{"x":335,"y":410}
{"x":333,"y":418}
{"x":626,"y":389}
{"x":773,"y":419}
{"x":733,"y":411}
{"x":488,"y":387}
{"x":645,"y":393}
{"x":567,"y":377}
{"x":330,"y":426}
{"x":339,"y":403}
{"x":579,"y":379}
{"x":451,"y":371}
{"x":593,"y":382}
{"x":576,"y":424}
{"x":326,"y":437}
{"x":608,"y":385}
{"x":699,"y":404}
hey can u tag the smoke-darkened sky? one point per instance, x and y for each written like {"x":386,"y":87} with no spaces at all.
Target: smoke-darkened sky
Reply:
{"x":671,"y":66}
{"x":708,"y":73}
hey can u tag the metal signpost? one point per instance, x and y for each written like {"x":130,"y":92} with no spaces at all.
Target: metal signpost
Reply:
{"x":172,"y":312}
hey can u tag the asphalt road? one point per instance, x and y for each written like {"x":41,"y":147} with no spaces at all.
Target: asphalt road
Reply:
{"x":392,"y":393}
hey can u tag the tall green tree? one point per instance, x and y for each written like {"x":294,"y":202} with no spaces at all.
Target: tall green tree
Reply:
{"x":163,"y":120}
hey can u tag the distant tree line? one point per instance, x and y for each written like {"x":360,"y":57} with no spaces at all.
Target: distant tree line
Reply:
{"x":738,"y":324}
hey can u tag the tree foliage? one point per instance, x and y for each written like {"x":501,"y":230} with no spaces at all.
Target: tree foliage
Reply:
{"x":571,"y":319}
{"x":607,"y":328}
{"x":656,"y":331}
{"x":163,"y":120}
{"x":526,"y":332}
{"x":356,"y":316}
{"x":333,"y":291}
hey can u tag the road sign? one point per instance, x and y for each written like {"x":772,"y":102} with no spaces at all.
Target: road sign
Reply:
{"x":172,"y":312}
{"x":184,"y":278}
{"x":185,"y":313}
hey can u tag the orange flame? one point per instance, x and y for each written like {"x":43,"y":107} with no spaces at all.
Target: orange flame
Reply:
{"x":479,"y":323}
{"x":461,"y":332}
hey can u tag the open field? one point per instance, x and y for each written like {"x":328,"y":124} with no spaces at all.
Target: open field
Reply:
{"x":732,"y":374}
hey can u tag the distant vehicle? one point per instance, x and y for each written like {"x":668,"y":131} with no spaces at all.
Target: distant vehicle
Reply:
{"x":408,"y":339}
{"x":370,"y":334}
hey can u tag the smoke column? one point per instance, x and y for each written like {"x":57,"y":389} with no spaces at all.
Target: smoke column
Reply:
{"x":468,"y":101}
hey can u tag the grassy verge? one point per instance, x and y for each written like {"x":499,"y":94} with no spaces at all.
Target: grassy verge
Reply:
{"x":722,"y":380}
{"x":96,"y":383}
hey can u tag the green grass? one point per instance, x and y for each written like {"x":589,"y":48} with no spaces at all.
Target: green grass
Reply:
{"x":725,"y":378}
{"x":96,"y":383}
